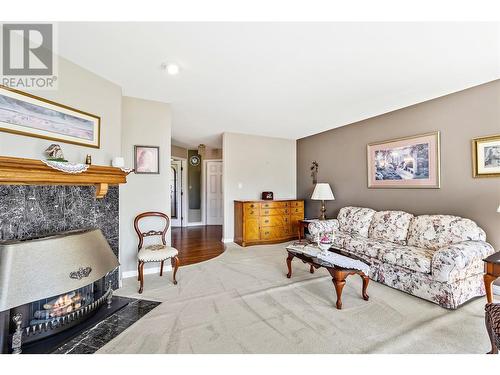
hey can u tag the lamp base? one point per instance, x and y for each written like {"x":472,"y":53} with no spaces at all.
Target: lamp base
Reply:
{"x":322,"y":215}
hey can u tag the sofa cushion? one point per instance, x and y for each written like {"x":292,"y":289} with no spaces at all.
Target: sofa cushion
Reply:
{"x":412,"y":258}
{"x":366,"y":246}
{"x":436,"y":231}
{"x":355,"y":220}
{"x":390,"y":226}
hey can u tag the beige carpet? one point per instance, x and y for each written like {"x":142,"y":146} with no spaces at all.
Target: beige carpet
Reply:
{"x":241,"y":302}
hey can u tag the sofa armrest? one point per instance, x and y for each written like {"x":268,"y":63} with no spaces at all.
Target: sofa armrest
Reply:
{"x":320,"y":226}
{"x":460,"y":260}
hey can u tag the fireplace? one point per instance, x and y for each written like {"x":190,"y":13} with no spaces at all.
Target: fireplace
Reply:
{"x":51,"y":284}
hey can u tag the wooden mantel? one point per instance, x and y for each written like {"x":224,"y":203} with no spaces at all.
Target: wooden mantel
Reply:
{"x":20,"y":171}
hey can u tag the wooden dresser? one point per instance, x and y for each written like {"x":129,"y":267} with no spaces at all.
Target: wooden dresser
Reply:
{"x":260,"y":222}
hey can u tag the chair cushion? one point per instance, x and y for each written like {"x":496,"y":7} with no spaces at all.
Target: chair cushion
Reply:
{"x":390,"y":226}
{"x":436,"y":231}
{"x":355,"y":220}
{"x":413,"y":258}
{"x":156,"y":253}
{"x":493,"y":315}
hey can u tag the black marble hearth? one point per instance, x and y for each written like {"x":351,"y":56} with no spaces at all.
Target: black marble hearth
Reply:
{"x":34,"y":211}
{"x":94,"y":338}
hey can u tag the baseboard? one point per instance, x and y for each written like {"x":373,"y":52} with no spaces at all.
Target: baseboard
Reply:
{"x":147,"y":271}
{"x":195,"y":224}
{"x":496,"y":290}
{"x":227,"y":240}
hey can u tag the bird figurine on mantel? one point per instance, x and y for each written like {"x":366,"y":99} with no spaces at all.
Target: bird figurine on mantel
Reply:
{"x":54,"y":153}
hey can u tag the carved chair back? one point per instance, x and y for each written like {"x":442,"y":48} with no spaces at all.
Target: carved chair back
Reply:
{"x":161,"y":233}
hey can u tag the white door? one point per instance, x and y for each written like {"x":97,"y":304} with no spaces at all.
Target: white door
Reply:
{"x":214,"y":193}
{"x":176,"y":193}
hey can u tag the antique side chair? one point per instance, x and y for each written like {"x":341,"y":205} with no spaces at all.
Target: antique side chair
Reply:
{"x":154,"y":253}
{"x":493,"y":325}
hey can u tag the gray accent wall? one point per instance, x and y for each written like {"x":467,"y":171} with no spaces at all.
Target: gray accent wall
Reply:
{"x":341,"y":154}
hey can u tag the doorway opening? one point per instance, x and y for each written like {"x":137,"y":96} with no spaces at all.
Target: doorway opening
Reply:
{"x":178,"y":202}
{"x":197,"y":208}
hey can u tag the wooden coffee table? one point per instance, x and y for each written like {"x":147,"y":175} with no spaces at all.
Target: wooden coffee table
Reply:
{"x":338,"y":274}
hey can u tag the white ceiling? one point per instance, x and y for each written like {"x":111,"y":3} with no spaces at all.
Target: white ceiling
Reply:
{"x":285,"y":80}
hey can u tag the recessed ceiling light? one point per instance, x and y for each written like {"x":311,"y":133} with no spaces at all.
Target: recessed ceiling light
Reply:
{"x":170,"y":68}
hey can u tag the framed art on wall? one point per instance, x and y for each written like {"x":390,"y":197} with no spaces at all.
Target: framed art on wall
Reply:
{"x":486,"y":156}
{"x":409,"y":162}
{"x":147,"y":159}
{"x":30,"y":115}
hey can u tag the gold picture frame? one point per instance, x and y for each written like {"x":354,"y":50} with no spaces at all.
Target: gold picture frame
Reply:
{"x":412,"y":162}
{"x":30,"y":115}
{"x":486,"y":156}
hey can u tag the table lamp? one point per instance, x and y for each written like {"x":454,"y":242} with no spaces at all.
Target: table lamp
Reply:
{"x":322,"y":192}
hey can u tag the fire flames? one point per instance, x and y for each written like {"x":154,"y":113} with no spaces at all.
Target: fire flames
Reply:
{"x":60,"y":306}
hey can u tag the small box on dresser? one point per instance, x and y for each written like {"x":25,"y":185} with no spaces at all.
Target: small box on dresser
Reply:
{"x":261,"y":221}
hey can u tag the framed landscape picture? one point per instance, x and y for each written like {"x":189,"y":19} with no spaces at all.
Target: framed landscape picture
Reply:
{"x":147,"y":159}
{"x":486,"y":156}
{"x":410,"y":162}
{"x":26,"y":114}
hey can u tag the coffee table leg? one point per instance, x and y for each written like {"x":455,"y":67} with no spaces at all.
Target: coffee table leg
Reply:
{"x":366,"y":280}
{"x":289,"y":264}
{"x":311,"y":269}
{"x":488,"y":280}
{"x":339,"y":282}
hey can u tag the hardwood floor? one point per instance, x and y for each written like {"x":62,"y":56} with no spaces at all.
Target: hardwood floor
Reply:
{"x":197,"y":244}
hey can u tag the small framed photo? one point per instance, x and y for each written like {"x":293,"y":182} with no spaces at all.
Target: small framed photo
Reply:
{"x":147,"y":159}
{"x":486,"y":156}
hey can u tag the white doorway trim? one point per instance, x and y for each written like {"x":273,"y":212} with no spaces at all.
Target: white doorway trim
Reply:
{"x":204,"y":188}
{"x":184,"y":195}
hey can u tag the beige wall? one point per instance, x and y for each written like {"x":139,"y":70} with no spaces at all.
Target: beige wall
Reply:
{"x":144,"y":123}
{"x":254,"y":164}
{"x":341,"y":154}
{"x":212,"y":154}
{"x":179,"y":152}
{"x":83,"y":90}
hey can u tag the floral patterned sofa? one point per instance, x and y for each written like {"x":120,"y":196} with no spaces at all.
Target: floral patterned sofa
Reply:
{"x":434,"y":257}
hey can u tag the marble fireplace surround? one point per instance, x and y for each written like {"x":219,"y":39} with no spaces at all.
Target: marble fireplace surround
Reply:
{"x":30,"y":211}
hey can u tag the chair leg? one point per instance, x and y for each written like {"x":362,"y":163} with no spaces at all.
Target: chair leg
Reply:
{"x":138,"y":271}
{"x":175,"y":265}
{"x":161,"y":268}
{"x":494,"y":349}
{"x":141,"y":276}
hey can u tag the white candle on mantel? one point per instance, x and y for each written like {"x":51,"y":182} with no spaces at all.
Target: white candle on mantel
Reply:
{"x":118,"y":162}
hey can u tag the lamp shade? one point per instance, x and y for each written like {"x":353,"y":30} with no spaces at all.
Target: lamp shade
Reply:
{"x":323,"y":192}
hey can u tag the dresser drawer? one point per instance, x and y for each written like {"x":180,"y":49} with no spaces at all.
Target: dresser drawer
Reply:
{"x":274,"y":205}
{"x":271,"y":233}
{"x":251,"y":209}
{"x":251,"y":206}
{"x":274,"y":211}
{"x":274,"y":221}
{"x":275,"y":233}
{"x":294,"y":204}
{"x":297,"y":211}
